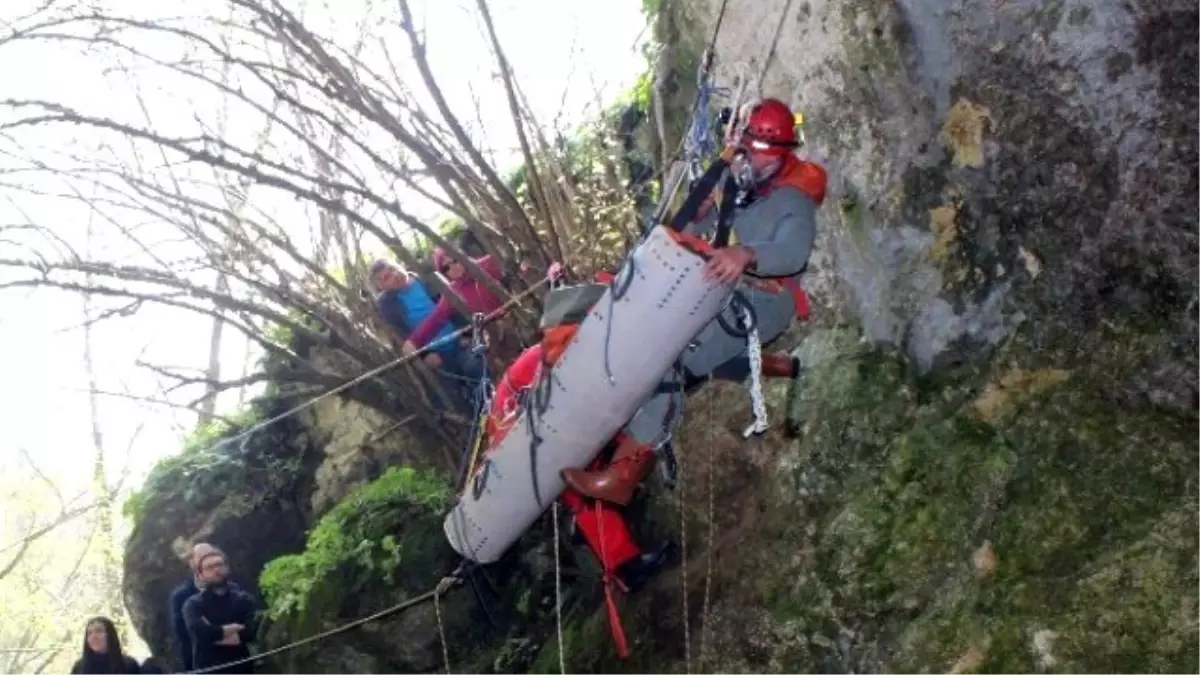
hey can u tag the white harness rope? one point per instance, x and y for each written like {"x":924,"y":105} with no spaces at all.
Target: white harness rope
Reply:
{"x":754,"y":383}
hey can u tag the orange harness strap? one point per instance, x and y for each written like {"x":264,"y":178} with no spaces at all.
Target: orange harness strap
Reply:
{"x":703,"y":248}
{"x":615,"y":627}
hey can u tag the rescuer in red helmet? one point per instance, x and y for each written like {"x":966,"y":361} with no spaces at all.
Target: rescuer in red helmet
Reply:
{"x":772,"y":233}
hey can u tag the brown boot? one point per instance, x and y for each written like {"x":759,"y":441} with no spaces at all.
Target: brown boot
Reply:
{"x":616,"y":482}
{"x":779,"y":364}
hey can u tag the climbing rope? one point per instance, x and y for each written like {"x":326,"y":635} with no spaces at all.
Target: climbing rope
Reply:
{"x":481,"y":401}
{"x":434,"y":594}
{"x":478,"y":432}
{"x":687,"y":637}
{"x":562,"y":659}
{"x":700,"y":141}
{"x":757,"y":404}
{"x":705,"y":624}
{"x":437,"y":613}
{"x":491,"y":316}
{"x":697,"y":141}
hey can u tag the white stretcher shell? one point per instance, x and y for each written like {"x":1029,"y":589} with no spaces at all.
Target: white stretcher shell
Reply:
{"x":666,"y":304}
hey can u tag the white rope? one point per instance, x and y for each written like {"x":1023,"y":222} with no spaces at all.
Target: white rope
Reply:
{"x":369,"y":374}
{"x":754,"y":383}
{"x":687,"y":637}
{"x":435,"y":594}
{"x":705,"y":623}
{"x":437,"y":611}
{"x":741,"y":75}
{"x":562,"y":659}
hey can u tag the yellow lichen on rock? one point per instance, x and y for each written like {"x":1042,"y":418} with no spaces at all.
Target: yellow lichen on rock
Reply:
{"x":941,"y":223}
{"x":969,"y":661}
{"x":984,"y":560}
{"x":998,"y":394}
{"x":963,"y":132}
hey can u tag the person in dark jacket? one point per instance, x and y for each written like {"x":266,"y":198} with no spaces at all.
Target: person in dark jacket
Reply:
{"x":221,"y":618}
{"x":102,"y":650}
{"x":183,"y":640}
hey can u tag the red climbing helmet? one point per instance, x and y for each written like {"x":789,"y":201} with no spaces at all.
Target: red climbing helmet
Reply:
{"x":770,"y":128}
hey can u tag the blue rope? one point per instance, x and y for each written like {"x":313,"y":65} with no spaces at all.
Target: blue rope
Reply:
{"x":479,"y":400}
{"x":700,"y":140}
{"x":700,"y":144}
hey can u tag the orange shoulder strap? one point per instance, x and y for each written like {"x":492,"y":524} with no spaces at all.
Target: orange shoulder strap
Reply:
{"x":809,"y":178}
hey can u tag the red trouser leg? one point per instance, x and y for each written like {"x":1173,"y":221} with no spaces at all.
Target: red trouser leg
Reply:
{"x":604,"y":530}
{"x":608,"y":536}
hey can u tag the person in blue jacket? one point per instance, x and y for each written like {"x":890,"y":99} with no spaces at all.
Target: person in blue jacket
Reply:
{"x":404,"y":302}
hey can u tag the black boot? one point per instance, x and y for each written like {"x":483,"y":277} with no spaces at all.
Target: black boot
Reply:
{"x":637,"y":572}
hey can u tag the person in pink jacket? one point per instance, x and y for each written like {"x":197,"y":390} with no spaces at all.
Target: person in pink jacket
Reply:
{"x":474,"y":295}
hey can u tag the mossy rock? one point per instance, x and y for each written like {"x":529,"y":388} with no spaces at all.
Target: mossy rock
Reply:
{"x":216,"y":489}
{"x":1034,"y":539}
{"x":382,"y":545}
{"x":362,"y":540}
{"x":914,"y":528}
{"x":377,"y":547}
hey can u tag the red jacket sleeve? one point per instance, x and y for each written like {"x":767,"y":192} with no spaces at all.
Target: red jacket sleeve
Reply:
{"x":490,"y":265}
{"x":432,"y":323}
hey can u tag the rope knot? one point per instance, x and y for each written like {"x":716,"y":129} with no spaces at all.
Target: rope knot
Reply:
{"x":446,"y":584}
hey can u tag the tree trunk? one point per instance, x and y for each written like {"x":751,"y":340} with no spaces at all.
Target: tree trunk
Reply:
{"x":110,"y":565}
{"x":212,"y":374}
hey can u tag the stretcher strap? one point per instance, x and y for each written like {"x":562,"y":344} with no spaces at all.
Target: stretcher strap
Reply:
{"x":610,"y":581}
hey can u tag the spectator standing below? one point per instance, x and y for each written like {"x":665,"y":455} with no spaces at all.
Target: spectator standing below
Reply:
{"x":183,"y":640}
{"x":221,"y":619}
{"x":102,"y":650}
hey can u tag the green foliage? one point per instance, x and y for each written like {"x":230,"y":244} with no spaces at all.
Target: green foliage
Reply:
{"x":278,"y":334}
{"x":366,"y":539}
{"x":205,"y":436}
{"x":195,"y":470}
{"x":450,"y":226}
{"x":208,"y":468}
{"x":640,"y":94}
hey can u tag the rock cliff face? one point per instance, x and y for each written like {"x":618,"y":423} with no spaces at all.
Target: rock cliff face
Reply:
{"x":997,"y":470}
{"x":1000,"y":417}
{"x":995,"y":166}
{"x":255,"y":499}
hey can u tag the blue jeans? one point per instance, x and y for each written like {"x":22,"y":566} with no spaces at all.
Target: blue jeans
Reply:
{"x":459,"y":375}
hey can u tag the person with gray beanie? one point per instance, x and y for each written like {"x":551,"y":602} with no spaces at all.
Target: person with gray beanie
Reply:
{"x":221,"y":619}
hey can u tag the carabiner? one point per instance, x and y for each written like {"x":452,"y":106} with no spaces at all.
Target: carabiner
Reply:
{"x":478,"y":336}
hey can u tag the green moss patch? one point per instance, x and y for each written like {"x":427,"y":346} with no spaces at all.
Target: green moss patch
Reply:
{"x":1056,"y":536}
{"x":212,"y":465}
{"x":380,"y":529}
